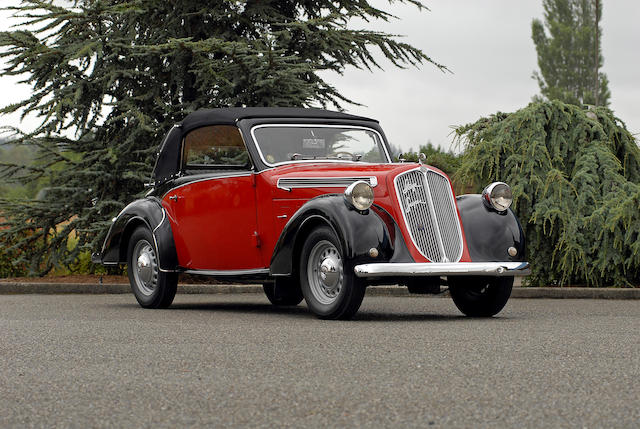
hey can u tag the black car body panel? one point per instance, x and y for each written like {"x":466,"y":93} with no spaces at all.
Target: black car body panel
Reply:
{"x":489,"y":233}
{"x":147,"y":212}
{"x":359,"y":232}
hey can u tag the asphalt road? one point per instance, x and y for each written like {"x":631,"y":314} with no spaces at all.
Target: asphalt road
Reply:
{"x":233,"y":360}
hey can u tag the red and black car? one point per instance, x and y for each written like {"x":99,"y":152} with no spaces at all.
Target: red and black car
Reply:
{"x":309,"y":203}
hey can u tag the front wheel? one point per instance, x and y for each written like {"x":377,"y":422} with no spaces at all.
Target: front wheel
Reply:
{"x":480,"y":296}
{"x":151,"y":287}
{"x":330,"y":290}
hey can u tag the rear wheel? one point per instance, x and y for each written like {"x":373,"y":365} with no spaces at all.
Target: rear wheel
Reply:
{"x":330,"y":290}
{"x":151,"y":287}
{"x":480,"y":296}
{"x":283,"y":292}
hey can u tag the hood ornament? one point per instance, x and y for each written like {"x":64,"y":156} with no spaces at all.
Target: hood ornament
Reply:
{"x":422,"y":158}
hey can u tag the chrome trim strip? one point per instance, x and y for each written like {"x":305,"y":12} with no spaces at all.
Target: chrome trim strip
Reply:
{"x":288,"y":183}
{"x":494,"y":269}
{"x":355,"y":127}
{"x":228,"y":272}
{"x":164,"y":215}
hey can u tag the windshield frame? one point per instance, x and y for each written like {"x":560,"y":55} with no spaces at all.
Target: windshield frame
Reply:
{"x":312,"y":125}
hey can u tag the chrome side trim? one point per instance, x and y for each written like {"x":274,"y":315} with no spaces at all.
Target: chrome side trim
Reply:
{"x":164,"y":216}
{"x":289,"y":183}
{"x":228,"y":272}
{"x":355,"y":127}
{"x":494,"y":269}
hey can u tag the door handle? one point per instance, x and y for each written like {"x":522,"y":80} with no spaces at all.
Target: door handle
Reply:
{"x":174,"y":198}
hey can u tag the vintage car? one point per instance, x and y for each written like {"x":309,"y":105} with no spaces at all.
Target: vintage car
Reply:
{"x":309,"y":203}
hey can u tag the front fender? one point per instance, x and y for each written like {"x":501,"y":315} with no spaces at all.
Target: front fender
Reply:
{"x":357,"y":231}
{"x":489,"y":234}
{"x":150,"y":213}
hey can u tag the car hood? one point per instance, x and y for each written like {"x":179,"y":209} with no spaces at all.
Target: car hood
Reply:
{"x":300,"y":179}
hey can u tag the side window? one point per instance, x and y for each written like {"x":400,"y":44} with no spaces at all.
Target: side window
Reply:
{"x":212,"y":147}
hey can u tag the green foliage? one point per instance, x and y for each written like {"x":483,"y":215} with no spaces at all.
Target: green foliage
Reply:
{"x":17,"y":157}
{"x":12,"y":262}
{"x":447,"y":161}
{"x":567,"y":56}
{"x":575,"y":176}
{"x":110,"y":78}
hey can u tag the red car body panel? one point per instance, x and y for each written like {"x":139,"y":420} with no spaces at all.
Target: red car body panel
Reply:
{"x":214,"y":223}
{"x":254,"y":212}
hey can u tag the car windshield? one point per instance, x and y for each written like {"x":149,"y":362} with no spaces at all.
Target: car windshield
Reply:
{"x":280,"y":144}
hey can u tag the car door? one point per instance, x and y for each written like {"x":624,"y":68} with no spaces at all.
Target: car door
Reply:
{"x":213,"y":209}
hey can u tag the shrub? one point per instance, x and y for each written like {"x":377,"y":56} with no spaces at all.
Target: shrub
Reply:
{"x":575,"y":175}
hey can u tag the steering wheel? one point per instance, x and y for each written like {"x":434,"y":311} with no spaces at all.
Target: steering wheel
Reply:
{"x":340,"y":155}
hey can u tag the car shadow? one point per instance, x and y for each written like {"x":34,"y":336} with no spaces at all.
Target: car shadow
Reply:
{"x":301,"y":311}
{"x":366,"y":316}
{"x":240,"y":307}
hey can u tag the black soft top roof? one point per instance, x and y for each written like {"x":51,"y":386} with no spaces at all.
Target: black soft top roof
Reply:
{"x":229,"y":115}
{"x":169,"y":156}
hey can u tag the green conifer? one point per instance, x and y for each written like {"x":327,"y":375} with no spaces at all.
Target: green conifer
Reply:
{"x":569,"y":57}
{"x":110,"y":77}
{"x":575,"y":176}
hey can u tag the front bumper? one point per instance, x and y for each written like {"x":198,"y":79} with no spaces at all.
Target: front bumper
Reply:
{"x":493,"y":269}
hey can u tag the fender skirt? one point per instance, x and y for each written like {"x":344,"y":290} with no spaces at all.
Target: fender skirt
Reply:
{"x":148,"y":212}
{"x":357,"y":231}
{"x":489,"y":234}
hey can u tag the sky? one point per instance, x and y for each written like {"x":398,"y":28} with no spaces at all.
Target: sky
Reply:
{"x":488,"y":48}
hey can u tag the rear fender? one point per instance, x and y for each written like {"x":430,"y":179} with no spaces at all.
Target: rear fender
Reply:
{"x":147,"y":212}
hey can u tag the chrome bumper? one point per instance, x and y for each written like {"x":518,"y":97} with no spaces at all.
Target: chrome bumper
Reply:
{"x":496,"y":269}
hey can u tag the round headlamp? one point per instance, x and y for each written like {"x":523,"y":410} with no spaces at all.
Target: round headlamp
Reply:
{"x":498,"y":195}
{"x":359,"y":195}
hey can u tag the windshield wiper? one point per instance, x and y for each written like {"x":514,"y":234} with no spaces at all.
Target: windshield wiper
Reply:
{"x":342,"y":155}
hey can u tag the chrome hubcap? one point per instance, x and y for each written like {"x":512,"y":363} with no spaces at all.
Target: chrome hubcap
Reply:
{"x":146,"y":267}
{"x":324,"y":272}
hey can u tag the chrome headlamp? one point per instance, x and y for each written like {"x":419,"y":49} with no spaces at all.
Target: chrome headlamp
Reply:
{"x":498,"y":196}
{"x":359,"y":195}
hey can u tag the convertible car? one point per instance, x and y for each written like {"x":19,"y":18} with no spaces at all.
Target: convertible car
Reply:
{"x":309,"y":203}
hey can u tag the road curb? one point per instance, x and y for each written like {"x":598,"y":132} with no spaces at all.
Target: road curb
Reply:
{"x":11,"y":288}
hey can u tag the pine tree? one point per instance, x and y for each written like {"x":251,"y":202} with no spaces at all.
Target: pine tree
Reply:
{"x":575,"y":176}
{"x":569,"y":57}
{"x":110,"y":77}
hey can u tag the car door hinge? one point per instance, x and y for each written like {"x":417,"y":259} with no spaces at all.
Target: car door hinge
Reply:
{"x":256,"y":237}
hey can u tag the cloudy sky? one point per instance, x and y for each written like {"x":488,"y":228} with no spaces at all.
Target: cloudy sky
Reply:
{"x":487,"y":45}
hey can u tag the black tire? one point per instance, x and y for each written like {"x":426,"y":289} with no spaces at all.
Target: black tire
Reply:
{"x":151,"y":287}
{"x":339,"y":294}
{"x":283,"y":292}
{"x":480,"y":296}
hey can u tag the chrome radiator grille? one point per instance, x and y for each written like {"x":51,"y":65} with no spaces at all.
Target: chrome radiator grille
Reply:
{"x":430,"y":214}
